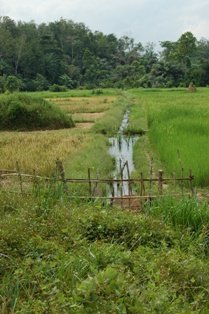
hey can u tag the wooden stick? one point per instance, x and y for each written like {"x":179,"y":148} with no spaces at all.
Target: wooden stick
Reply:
{"x":150,"y":183}
{"x":174,"y":179}
{"x":61,"y":171}
{"x":121,"y":188}
{"x":191,"y":181}
{"x":20,"y":177}
{"x":160,"y":184}
{"x":182,"y":184}
{"x":74,"y":180}
{"x":89,"y":179}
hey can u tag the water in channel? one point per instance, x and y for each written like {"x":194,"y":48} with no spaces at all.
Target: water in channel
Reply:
{"x":121,"y":148}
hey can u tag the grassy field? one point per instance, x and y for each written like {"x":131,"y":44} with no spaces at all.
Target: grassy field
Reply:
{"x":80,"y":148}
{"x":179,"y":129}
{"x":57,"y":257}
{"x":63,"y":256}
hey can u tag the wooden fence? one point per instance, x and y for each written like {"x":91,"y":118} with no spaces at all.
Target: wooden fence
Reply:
{"x":140,"y":190}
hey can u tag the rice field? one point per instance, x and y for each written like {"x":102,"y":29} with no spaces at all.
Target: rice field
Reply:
{"x":38,"y":150}
{"x":85,"y":104}
{"x":61,"y":256}
{"x":178,"y":130}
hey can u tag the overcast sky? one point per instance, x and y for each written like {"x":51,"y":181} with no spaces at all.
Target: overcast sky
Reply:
{"x":144,"y":20}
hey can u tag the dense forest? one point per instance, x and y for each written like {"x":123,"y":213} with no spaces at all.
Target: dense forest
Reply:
{"x":64,"y":54}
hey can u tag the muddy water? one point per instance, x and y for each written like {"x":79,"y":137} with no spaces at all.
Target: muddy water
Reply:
{"x":122,"y":150}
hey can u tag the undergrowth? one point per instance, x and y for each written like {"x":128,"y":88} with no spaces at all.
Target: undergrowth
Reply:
{"x":59,"y":257}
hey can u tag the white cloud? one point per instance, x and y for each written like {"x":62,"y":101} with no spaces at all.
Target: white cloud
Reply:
{"x":145,"y":20}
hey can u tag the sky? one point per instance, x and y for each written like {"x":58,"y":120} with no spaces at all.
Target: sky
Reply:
{"x":143,"y":20}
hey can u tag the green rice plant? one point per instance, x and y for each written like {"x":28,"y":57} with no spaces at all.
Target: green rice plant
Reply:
{"x":137,"y":119}
{"x":110,"y":122}
{"x":179,"y":130}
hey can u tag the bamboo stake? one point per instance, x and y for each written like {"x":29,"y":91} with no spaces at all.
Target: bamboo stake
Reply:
{"x":121,"y":189}
{"x":20,"y":177}
{"x":89,"y":178}
{"x":191,"y":177}
{"x":150,"y":183}
{"x":174,"y":179}
{"x":141,"y":189}
{"x":160,"y":184}
{"x":182,"y":183}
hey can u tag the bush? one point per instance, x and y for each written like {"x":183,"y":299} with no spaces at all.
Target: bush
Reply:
{"x":57,"y":88}
{"x":12,"y":83}
{"x":2,"y":84}
{"x":27,"y":113}
{"x":40,"y":83}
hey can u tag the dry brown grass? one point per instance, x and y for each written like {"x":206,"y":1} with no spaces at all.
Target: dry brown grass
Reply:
{"x":84,"y":125}
{"x":87,"y":117}
{"x":84,"y":104}
{"x":39,"y":150}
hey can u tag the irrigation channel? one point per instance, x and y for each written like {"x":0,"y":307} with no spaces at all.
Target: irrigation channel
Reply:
{"x":122,"y":150}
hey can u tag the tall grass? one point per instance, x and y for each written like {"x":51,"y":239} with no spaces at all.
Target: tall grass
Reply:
{"x":183,"y":213}
{"x":179,"y":130}
{"x":111,"y":120}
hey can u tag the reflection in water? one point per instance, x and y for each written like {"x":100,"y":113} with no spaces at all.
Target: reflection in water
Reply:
{"x":122,"y":150}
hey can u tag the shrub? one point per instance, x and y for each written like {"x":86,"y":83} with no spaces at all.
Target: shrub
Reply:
{"x":26,"y":113}
{"x":12,"y":83}
{"x":2,"y":84}
{"x":57,"y":88}
{"x":40,"y":83}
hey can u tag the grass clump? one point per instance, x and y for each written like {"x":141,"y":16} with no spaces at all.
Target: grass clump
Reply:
{"x":62,"y":258}
{"x":109,"y":124}
{"x":21,"y":112}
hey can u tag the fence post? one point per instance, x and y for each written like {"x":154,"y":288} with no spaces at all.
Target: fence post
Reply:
{"x":35,"y":182}
{"x":174,"y":180}
{"x":89,"y":178}
{"x":61,"y":170}
{"x":142,"y":188}
{"x":160,"y":181}
{"x":19,"y":176}
{"x":182,"y":182}
{"x":129,"y":185}
{"x":150,"y":183}
{"x":121,"y":188}
{"x":191,"y":178}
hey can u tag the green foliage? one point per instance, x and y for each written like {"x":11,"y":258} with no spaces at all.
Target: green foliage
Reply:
{"x":40,"y":83}
{"x":12,"y":84}
{"x":2,"y":84}
{"x":57,"y":88}
{"x":110,"y":122}
{"x":20,"y":112}
{"x":94,"y":259}
{"x":69,"y":54}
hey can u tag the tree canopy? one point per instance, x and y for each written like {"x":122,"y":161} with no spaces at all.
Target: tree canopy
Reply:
{"x":69,"y":54}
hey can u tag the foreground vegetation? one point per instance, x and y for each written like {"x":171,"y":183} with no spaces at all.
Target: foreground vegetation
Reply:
{"x":63,"y":256}
{"x":57,"y":257}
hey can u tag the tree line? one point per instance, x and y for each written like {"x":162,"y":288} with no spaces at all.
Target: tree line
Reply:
{"x":64,"y":54}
